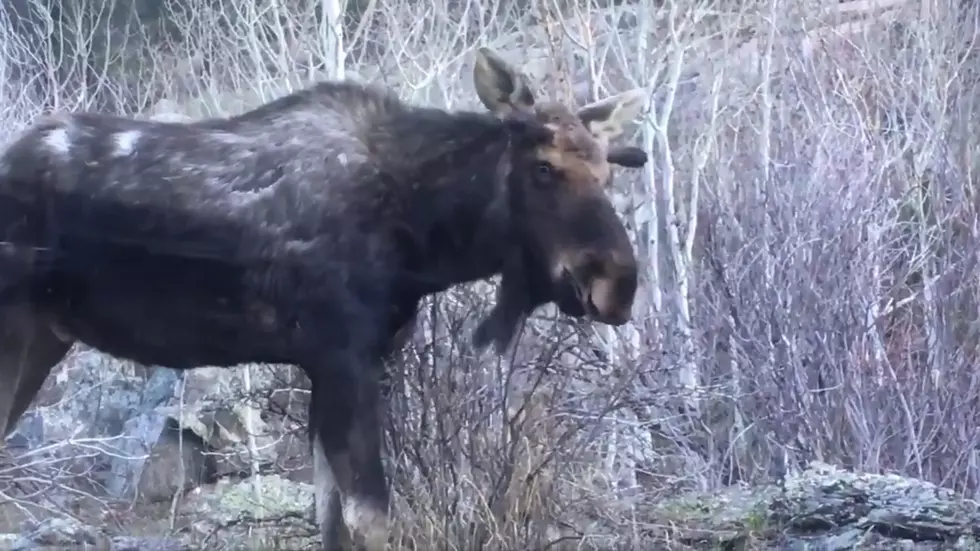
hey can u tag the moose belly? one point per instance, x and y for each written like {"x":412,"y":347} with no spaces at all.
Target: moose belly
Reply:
{"x":167,"y":311}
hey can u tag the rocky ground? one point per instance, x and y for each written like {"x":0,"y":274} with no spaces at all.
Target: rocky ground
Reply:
{"x":130,"y":478}
{"x":823,"y":509}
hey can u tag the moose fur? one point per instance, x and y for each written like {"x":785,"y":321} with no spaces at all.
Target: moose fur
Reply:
{"x":305,"y":231}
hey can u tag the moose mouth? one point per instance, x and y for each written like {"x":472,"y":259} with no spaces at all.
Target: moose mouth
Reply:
{"x":526,"y":285}
{"x":575,"y":298}
{"x":572,"y":291}
{"x":568,"y":297}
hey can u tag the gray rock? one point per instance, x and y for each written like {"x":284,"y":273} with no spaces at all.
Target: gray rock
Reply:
{"x":29,"y":431}
{"x":821,"y":509}
{"x":226,"y":515}
{"x":825,"y":509}
{"x":216,"y":407}
{"x":93,"y":395}
{"x":141,"y":432}
{"x":124,"y":543}
{"x":180,"y":461}
{"x":58,"y":532}
{"x":279,"y":518}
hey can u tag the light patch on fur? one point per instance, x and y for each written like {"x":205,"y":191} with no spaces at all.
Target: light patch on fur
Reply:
{"x":231,"y":138}
{"x":58,"y":141}
{"x":170,"y":117}
{"x":61,"y":333}
{"x":368,"y":524}
{"x":125,"y":143}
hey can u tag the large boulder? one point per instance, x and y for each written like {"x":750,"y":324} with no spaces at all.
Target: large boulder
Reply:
{"x":823,"y":508}
{"x":151,"y":432}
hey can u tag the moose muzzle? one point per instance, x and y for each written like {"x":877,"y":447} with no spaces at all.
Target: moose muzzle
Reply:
{"x":601,"y":291}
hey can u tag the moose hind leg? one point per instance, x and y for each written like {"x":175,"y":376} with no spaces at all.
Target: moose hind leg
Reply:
{"x":344,"y":411}
{"x":29,"y":350}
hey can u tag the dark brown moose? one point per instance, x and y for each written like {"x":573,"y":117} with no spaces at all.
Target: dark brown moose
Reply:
{"x":305,"y":231}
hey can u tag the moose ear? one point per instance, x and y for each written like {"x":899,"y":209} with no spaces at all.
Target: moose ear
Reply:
{"x":502,"y":88}
{"x":627,"y":156}
{"x":605,"y":118}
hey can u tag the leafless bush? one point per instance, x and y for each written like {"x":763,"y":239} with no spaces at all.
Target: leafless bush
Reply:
{"x":55,"y":479}
{"x":836,"y":253}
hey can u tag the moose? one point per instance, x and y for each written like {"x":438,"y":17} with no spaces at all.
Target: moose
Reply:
{"x":307,"y":231}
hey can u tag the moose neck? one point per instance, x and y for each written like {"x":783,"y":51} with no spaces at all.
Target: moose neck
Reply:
{"x":456,"y":211}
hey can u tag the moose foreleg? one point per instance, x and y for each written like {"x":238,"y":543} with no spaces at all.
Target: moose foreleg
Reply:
{"x":345,"y":412}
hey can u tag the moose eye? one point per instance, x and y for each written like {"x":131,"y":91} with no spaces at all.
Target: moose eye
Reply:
{"x":545,"y":169}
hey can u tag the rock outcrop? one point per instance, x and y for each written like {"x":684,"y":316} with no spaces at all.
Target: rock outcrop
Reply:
{"x":160,"y":431}
{"x":823,"y":508}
